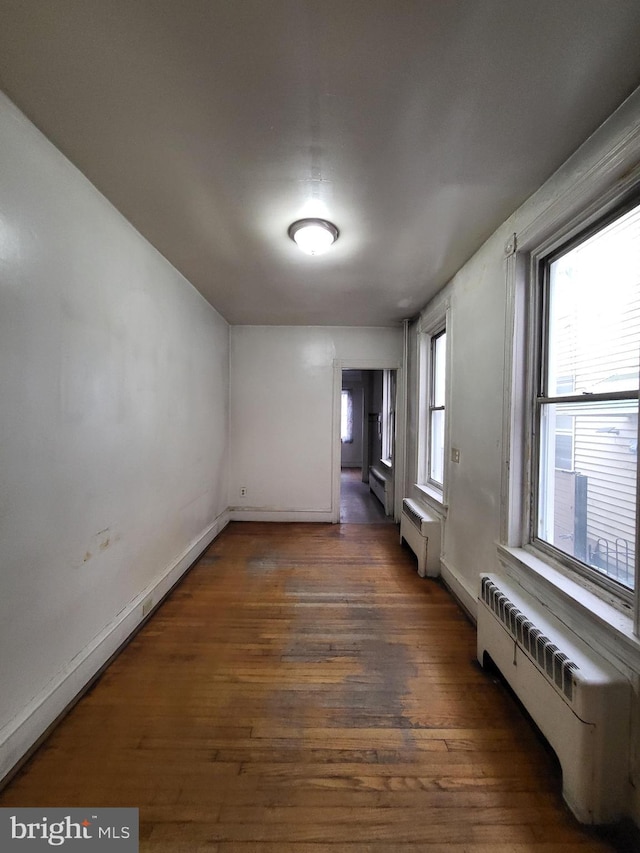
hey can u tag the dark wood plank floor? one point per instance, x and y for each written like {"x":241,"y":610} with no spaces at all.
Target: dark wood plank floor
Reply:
{"x":304,"y":691}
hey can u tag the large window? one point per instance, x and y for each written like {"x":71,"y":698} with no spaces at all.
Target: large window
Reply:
{"x":586,"y":401}
{"x":437,"y":378}
{"x":388,"y":414}
{"x":432,"y":392}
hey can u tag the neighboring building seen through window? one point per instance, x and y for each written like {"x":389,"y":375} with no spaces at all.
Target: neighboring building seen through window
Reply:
{"x":586,"y":405}
{"x":435,"y":465}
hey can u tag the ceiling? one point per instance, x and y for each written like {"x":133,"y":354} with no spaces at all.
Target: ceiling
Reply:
{"x":417,"y":126}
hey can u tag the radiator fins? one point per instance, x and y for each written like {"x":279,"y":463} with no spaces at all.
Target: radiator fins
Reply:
{"x":554,"y":664}
{"x":410,"y":512}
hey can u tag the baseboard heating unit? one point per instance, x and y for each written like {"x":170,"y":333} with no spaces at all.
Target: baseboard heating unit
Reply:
{"x":580,"y":702}
{"x":421,"y":532}
{"x":381,"y":484}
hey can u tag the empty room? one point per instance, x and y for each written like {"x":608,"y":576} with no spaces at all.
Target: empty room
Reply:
{"x":319,"y":370}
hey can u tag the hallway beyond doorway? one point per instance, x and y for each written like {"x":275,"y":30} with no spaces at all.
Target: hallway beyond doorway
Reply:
{"x":357,"y":504}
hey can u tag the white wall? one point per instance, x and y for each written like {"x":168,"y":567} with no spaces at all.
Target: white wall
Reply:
{"x":282,"y":422}
{"x":478,"y":329}
{"x":114,"y":427}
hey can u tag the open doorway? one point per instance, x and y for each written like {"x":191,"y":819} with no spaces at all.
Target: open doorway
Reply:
{"x":367,"y":442}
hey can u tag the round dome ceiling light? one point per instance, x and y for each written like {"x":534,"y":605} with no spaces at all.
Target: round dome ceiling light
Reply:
{"x":313,"y":236}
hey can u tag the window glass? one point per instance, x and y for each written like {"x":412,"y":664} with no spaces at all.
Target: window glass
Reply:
{"x":346,"y":418}
{"x":437,"y":409}
{"x":437,"y":446}
{"x":388,"y":414}
{"x":588,"y":440}
{"x":439,"y":364}
{"x":594,"y":312}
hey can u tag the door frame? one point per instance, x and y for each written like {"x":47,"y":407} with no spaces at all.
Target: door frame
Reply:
{"x":339,"y":365}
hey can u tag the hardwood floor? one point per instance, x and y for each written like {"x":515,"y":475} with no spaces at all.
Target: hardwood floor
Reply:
{"x":303,"y":690}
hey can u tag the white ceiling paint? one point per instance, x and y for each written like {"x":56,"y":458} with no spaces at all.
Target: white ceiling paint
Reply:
{"x":416,"y":126}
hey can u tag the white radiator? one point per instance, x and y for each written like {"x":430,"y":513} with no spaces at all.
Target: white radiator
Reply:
{"x":580,"y":702}
{"x":421,"y":532}
{"x":381,"y":484}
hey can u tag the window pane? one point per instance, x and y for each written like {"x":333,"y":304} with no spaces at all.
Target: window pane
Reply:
{"x":439,"y":368}
{"x":588,"y":449}
{"x":388,"y":416}
{"x":594,"y":312}
{"x":564,"y":450}
{"x":589,"y":512}
{"x":436,"y":455}
{"x":346,"y":417}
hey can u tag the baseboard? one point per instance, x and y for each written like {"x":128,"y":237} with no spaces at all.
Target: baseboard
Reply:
{"x":239,"y":514}
{"x":467,"y":598}
{"x":23,"y":734}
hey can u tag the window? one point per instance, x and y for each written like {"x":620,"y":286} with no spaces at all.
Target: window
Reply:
{"x":585,"y":411}
{"x":346,"y":417}
{"x":388,"y":414}
{"x":432,"y":439}
{"x":437,"y":361}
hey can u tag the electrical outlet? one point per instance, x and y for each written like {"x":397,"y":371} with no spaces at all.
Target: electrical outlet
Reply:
{"x":455,"y":454}
{"x":147,"y":606}
{"x":243,"y":491}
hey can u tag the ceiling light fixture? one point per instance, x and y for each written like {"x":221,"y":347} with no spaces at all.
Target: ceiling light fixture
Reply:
{"x":313,"y":236}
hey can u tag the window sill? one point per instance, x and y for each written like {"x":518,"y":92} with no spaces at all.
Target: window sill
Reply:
{"x":434,"y":498}
{"x":387,"y":463}
{"x":605,"y":625}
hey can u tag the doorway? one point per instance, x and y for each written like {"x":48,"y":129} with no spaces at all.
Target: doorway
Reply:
{"x":367,"y":446}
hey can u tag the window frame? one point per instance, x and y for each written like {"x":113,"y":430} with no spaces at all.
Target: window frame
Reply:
{"x":389,"y":392}
{"x":431,"y":326}
{"x":429,"y":478}
{"x":347,"y":394}
{"x":603,"y":189}
{"x":600,"y":176}
{"x":537,"y":333}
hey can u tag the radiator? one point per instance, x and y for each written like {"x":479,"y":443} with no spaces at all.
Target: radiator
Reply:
{"x":580,"y":702}
{"x":381,"y":485}
{"x":421,"y":532}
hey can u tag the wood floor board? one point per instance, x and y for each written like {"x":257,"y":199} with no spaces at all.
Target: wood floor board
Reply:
{"x":373,"y":815}
{"x":383,"y":847}
{"x":306,"y":798}
{"x":304,"y":691}
{"x":185,"y":847}
{"x":319,"y":786}
{"x":376,"y":830}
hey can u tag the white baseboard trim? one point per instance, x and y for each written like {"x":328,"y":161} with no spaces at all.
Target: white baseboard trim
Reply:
{"x":22,"y":734}
{"x":239,"y":514}
{"x":467,"y":598}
